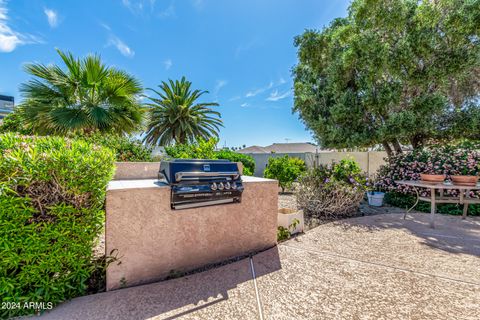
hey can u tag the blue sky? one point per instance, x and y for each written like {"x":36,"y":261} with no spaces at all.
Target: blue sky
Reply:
{"x":241,"y":51}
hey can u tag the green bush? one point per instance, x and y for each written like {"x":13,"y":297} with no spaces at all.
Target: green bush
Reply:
{"x":247,"y":161}
{"x":13,"y":123}
{"x":52,"y":193}
{"x":285,"y":169}
{"x":205,"y":149}
{"x":125,"y":148}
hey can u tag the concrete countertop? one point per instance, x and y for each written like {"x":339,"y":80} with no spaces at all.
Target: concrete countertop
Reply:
{"x":154,"y":183}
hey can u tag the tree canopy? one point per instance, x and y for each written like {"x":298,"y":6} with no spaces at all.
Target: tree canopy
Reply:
{"x":85,"y":97}
{"x":176,"y":116}
{"x":392,"y":72}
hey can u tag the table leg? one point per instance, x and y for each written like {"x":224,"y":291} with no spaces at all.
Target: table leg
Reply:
{"x":432,"y":210}
{"x":465,"y":204}
{"x":414,"y":205}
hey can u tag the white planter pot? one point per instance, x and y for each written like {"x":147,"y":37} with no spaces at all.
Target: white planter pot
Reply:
{"x":375,"y":199}
{"x":286,"y":218}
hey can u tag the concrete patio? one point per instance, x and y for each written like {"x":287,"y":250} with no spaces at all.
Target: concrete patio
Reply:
{"x":372,"y":267}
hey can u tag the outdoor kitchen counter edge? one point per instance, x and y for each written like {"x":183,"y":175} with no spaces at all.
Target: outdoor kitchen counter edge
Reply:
{"x":153,"y":183}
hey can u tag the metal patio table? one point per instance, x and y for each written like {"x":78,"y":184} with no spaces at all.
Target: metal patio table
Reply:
{"x":464,"y":197}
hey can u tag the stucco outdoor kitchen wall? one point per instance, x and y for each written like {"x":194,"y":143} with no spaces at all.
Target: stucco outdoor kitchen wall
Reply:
{"x":154,"y":241}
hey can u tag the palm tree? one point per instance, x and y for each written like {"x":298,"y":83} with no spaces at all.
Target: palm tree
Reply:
{"x":175,"y":116}
{"x":88,"y":96}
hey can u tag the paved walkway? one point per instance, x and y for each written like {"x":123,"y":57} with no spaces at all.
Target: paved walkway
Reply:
{"x":372,"y":267}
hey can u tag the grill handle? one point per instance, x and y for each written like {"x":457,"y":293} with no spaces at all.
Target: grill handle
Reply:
{"x":179,"y":176}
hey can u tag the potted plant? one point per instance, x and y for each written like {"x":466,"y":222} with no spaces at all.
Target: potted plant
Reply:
{"x":466,"y":176}
{"x":433,"y":175}
{"x":291,"y":219}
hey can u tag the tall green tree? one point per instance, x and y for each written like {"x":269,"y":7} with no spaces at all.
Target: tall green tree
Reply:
{"x":177,"y":117}
{"x":85,"y":96}
{"x":392,"y":72}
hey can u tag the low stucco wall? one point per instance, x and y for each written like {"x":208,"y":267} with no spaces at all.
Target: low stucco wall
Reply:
{"x":153,"y":241}
{"x":136,"y":170}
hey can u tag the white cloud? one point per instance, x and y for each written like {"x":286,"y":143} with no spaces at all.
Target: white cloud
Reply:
{"x":168,"y":64}
{"x":105,"y":26}
{"x":138,"y":6}
{"x":219,"y":85}
{"x":281,"y":81}
{"x":198,"y":4}
{"x":244,"y":105}
{"x":121,"y":46}
{"x":52,"y":17}
{"x":168,"y":12}
{"x":255,"y":92}
{"x":275,"y":95}
{"x":234,"y":98}
{"x":9,"y":38}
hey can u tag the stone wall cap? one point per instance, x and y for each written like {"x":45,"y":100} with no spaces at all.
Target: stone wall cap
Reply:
{"x":135,"y":184}
{"x":154,"y":183}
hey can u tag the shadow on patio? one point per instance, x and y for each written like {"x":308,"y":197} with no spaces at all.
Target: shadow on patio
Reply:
{"x":224,"y":292}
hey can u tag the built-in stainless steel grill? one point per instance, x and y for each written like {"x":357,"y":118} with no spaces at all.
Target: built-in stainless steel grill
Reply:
{"x":197,"y":182}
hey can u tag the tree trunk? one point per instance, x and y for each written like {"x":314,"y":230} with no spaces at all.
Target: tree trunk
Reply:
{"x":416,"y":141}
{"x":397,"y":146}
{"x":387,"y":148}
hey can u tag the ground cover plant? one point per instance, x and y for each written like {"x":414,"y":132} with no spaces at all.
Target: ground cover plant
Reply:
{"x":284,"y":169}
{"x":463,"y":159}
{"x":52,"y":193}
{"x":331,"y":191}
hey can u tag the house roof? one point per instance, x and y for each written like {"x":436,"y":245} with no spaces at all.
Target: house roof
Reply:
{"x":253,"y":149}
{"x":300,"y":147}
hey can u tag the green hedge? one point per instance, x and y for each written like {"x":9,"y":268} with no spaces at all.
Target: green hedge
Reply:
{"x":125,"y":148}
{"x":402,"y":200}
{"x":52,"y":193}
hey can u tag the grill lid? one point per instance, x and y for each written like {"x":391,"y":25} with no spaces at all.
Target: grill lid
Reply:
{"x":184,"y":170}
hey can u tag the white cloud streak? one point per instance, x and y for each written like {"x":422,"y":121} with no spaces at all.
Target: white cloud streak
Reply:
{"x":219,"y":85}
{"x":121,"y":46}
{"x":255,"y":92}
{"x":9,"y":38}
{"x":52,"y":17}
{"x":168,"y":64}
{"x":275,"y":95}
{"x":169,"y":12}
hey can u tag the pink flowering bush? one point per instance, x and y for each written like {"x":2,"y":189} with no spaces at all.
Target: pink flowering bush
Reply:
{"x":448,"y":160}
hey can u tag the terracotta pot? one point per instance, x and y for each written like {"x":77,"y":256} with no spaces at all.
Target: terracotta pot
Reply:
{"x":432,"y":178}
{"x":465,"y":180}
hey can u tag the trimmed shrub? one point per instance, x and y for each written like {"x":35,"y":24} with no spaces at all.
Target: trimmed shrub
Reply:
{"x":205,"y":149}
{"x":13,"y":123}
{"x":247,"y":161}
{"x":285,"y":169}
{"x":449,"y":160}
{"x":125,"y":148}
{"x":331,"y":191}
{"x":52,"y":193}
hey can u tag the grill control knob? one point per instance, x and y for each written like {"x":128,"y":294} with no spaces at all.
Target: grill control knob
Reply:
{"x":234,"y":186}
{"x":213,"y":186}
{"x":220,"y":186}
{"x":227,"y":185}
